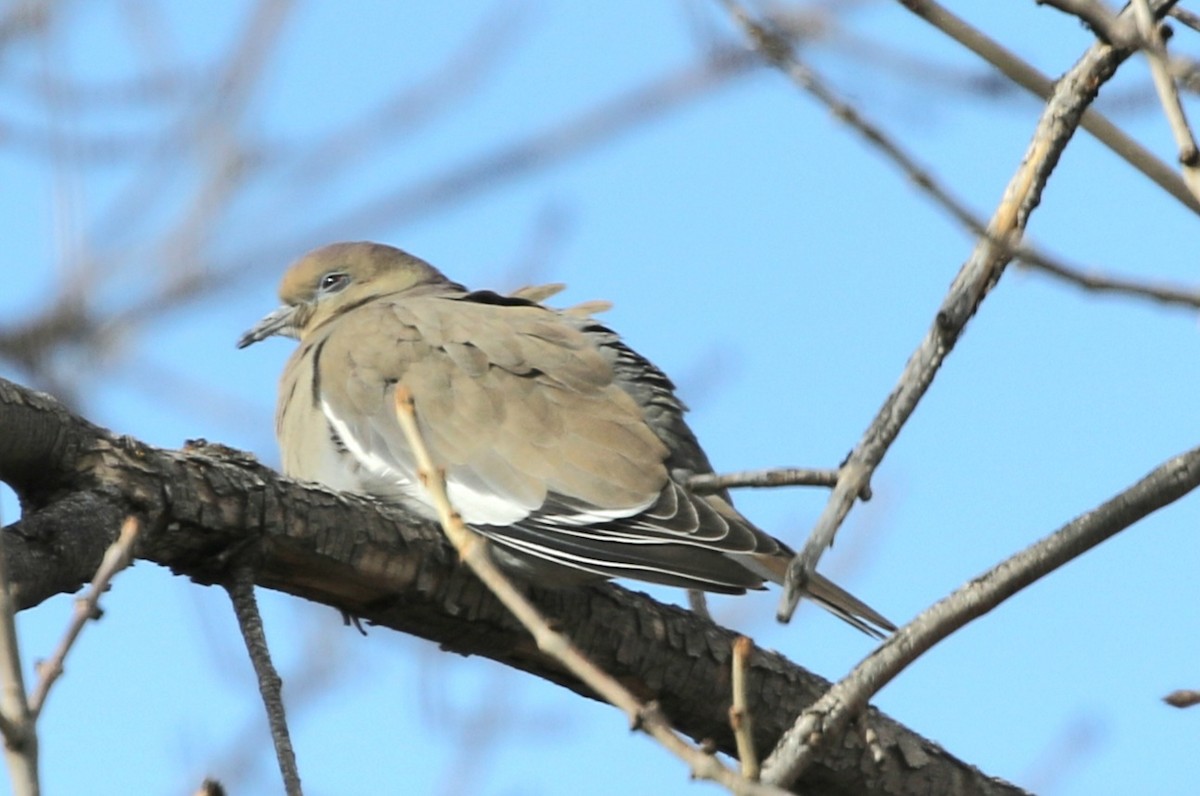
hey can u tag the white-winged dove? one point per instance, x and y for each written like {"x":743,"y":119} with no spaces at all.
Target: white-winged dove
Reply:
{"x":560,"y":443}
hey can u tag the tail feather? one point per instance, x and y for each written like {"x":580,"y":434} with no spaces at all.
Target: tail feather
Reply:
{"x":849,"y":608}
{"x":830,"y":596}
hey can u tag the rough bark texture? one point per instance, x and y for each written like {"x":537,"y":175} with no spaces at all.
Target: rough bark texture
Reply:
{"x":207,"y":506}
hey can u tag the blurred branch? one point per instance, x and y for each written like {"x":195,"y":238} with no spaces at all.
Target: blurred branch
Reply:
{"x":919,"y":67}
{"x":1188,"y":18}
{"x":208,"y":506}
{"x":75,"y":321}
{"x":601,"y":123}
{"x":1177,"y":295}
{"x":534,"y":153}
{"x":830,"y":715}
{"x":1164,"y":84}
{"x":213,"y":130}
{"x":1099,"y":19}
{"x":23,"y":17}
{"x":774,"y":45}
{"x":312,"y":166}
{"x":1025,"y":75}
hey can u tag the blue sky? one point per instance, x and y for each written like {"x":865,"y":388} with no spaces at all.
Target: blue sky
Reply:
{"x":754,"y":249}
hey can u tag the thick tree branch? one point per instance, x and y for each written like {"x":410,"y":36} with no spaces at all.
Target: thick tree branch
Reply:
{"x":207,"y":508}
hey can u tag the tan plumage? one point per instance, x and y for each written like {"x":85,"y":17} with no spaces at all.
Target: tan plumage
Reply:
{"x":561,"y":444}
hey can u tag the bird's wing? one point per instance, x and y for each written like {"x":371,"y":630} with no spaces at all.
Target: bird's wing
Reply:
{"x":543,"y":449}
{"x":513,"y":403}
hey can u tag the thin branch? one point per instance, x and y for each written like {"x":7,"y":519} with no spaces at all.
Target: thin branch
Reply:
{"x":16,"y":722}
{"x":739,"y":712}
{"x":776,"y":476}
{"x":777,"y":49}
{"x":270,"y":684}
{"x":842,"y":703}
{"x":1032,"y":80}
{"x":309,"y":679}
{"x":116,"y":558}
{"x":1059,"y":120}
{"x":1176,"y":295}
{"x":1164,"y":84}
{"x":1099,"y":18}
{"x":473,"y":550}
{"x":1188,"y":18}
{"x":775,"y":46}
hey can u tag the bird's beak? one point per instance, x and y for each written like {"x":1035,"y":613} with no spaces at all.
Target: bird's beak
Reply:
{"x":281,"y":321}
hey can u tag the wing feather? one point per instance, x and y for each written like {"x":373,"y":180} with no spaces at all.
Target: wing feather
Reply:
{"x":546,"y":445}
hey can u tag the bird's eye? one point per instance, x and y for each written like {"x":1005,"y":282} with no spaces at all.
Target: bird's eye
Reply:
{"x":334,"y":281}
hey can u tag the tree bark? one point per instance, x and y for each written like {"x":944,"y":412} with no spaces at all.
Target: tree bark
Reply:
{"x":206,"y":508}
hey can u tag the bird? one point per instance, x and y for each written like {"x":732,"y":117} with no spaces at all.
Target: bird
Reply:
{"x":560,"y":444}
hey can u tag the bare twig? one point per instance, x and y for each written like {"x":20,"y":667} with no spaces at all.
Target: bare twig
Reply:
{"x":1099,"y":18}
{"x":776,"y":476}
{"x":1059,"y":120}
{"x":309,"y":678}
{"x":408,"y":109}
{"x":832,"y":713}
{"x":270,"y":685}
{"x":1183,"y":698}
{"x":1177,"y":295}
{"x":739,"y":712}
{"x":473,"y":550}
{"x":783,"y":55}
{"x":1188,"y":18}
{"x":1027,"y":77}
{"x":116,"y":558}
{"x":16,"y":722}
{"x":1164,"y":84}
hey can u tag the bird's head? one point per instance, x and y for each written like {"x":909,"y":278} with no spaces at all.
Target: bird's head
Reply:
{"x":332,"y":279}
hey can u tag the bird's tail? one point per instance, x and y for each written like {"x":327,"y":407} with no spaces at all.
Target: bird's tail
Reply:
{"x":849,"y":608}
{"x":832,"y":598}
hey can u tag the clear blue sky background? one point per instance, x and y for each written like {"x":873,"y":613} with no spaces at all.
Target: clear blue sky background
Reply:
{"x":760,"y":253}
